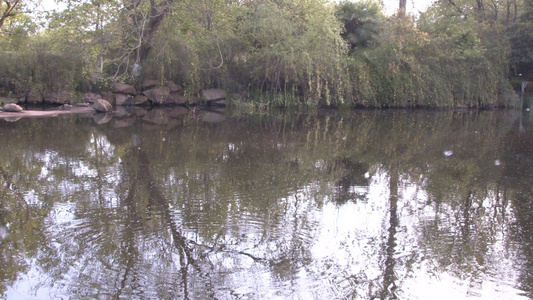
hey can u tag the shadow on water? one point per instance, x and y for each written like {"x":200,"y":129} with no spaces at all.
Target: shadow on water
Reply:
{"x":360,"y":205}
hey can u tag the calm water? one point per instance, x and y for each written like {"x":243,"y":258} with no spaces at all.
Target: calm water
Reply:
{"x":320,"y":205}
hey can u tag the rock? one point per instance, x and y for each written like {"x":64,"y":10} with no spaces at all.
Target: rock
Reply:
{"x":123,"y":100}
{"x":12,"y":107}
{"x":108,"y":96}
{"x":59,"y":97}
{"x":141,"y":100}
{"x":158,"y":94}
{"x":65,"y":107}
{"x":176,"y":98}
{"x":174,"y":88}
{"x":83,"y":104}
{"x":122,"y":88}
{"x":102,"y":118}
{"x":102,"y":105}
{"x":90,"y":97}
{"x":149,"y":84}
{"x":213,"y":94}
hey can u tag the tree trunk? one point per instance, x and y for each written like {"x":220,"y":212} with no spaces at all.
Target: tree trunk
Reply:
{"x":402,"y":8}
{"x":9,"y":10}
{"x":157,"y":15}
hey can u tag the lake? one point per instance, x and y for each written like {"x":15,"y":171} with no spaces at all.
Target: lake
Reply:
{"x":363,"y":204}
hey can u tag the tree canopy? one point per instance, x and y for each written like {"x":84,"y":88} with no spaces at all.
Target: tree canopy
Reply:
{"x":318,"y":52}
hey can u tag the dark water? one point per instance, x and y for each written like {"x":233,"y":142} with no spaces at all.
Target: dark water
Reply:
{"x":320,"y":205}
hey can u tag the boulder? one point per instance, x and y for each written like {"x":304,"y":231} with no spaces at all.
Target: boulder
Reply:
{"x":102,"y":105}
{"x":123,"y":88}
{"x":175,"y":98}
{"x":59,"y":97}
{"x":174,"y":88}
{"x":157,"y":94}
{"x":102,"y":118}
{"x":108,"y":96}
{"x":12,"y":107}
{"x":149,"y":84}
{"x":141,"y":100}
{"x":123,"y":100}
{"x":213,"y":94}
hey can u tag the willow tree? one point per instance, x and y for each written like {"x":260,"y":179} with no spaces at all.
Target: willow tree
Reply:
{"x":293,"y":48}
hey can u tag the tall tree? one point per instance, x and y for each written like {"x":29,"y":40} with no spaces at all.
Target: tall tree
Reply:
{"x":148,"y":23}
{"x":403,"y":7}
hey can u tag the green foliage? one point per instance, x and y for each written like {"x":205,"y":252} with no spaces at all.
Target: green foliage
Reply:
{"x":442,"y":62}
{"x":303,"y":52}
{"x":521,"y":38}
{"x":293,"y":47}
{"x":362,"y":21}
{"x":36,"y":67}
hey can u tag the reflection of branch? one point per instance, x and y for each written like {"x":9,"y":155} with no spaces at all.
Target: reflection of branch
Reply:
{"x":130,"y":252}
{"x":154,"y":193}
{"x":222,"y":248}
{"x":389,"y":278}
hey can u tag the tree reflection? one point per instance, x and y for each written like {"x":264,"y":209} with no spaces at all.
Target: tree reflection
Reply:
{"x":389,"y":277}
{"x":320,"y":205}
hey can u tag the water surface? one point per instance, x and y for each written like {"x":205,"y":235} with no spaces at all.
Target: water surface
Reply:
{"x":317,"y":205}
